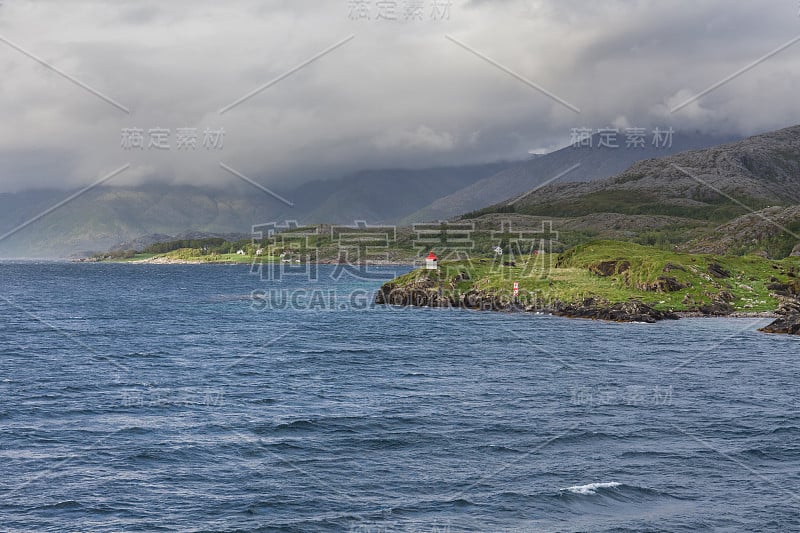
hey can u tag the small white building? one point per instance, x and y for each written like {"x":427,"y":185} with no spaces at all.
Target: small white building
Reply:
{"x":240,"y":252}
{"x":431,"y":262}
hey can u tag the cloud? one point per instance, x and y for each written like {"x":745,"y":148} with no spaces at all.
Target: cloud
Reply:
{"x":397,"y":94}
{"x":422,"y":139}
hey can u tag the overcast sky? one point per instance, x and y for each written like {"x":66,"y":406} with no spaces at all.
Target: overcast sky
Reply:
{"x":398,"y":94}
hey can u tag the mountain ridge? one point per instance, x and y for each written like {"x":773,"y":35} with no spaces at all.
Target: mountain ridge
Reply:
{"x":105,"y":217}
{"x":745,"y":193}
{"x":593,"y":162}
{"x":763,"y":168}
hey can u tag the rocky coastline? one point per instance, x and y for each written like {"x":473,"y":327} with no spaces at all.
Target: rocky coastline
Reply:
{"x":788,"y":322}
{"x":426,"y":293}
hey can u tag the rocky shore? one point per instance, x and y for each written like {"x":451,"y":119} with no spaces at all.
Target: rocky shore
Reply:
{"x":630,"y":311}
{"x":788,"y":322}
{"x":425,"y":294}
{"x":787,"y":325}
{"x":462,"y":291}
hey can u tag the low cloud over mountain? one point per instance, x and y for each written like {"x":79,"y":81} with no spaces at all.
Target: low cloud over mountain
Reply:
{"x":425,"y":89}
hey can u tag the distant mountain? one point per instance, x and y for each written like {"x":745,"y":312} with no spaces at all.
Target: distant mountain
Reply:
{"x":381,"y":196}
{"x":735,"y":198}
{"x":106,"y":217}
{"x":717,"y":183}
{"x":141,"y":243}
{"x":587,"y":163}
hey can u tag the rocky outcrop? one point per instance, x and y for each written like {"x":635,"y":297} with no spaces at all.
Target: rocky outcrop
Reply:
{"x":716,"y":308}
{"x":718,"y":271}
{"x":789,"y":296}
{"x":630,"y":311}
{"x":720,"y":305}
{"x":424,"y":293}
{"x":786,"y":325}
{"x":610,"y":268}
{"x":662,"y":284}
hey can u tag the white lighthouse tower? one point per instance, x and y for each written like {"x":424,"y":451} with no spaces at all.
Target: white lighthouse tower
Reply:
{"x":431,"y":262}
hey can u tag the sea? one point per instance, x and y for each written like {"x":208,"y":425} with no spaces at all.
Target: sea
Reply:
{"x":215,"y":398}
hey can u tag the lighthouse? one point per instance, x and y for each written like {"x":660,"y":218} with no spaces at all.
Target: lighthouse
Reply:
{"x":431,"y":262}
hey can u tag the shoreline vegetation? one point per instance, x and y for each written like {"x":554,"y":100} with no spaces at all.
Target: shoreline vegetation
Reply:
{"x":601,"y":280}
{"x":223,"y":259}
{"x":308,"y":244}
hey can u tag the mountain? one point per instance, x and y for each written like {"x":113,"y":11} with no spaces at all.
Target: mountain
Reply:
{"x":774,"y":230}
{"x":105,"y":217}
{"x":717,"y":183}
{"x":381,"y":196}
{"x":738,"y":197}
{"x":584,"y":163}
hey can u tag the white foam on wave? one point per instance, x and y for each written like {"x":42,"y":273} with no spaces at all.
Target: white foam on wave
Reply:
{"x":591,"y":488}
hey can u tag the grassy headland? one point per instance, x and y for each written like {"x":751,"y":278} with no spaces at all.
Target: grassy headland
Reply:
{"x":605,"y":273}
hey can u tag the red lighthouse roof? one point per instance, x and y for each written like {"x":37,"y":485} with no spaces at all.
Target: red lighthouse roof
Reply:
{"x":432,"y":256}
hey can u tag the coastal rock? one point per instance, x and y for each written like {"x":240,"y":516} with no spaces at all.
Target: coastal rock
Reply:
{"x":669,"y":267}
{"x":425,"y":293}
{"x":663,"y":284}
{"x":630,"y":311}
{"x":717,"y":308}
{"x":789,"y":308}
{"x":786,"y":290}
{"x":788,"y":305}
{"x":422,"y":294}
{"x":787,"y":325}
{"x":720,"y":304}
{"x":610,"y":268}
{"x":718,"y":271}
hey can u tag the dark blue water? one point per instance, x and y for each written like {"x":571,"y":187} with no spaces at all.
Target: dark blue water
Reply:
{"x":156,"y":398}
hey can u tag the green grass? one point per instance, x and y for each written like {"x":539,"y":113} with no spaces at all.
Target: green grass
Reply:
{"x":574,"y":275}
{"x":629,"y":203}
{"x":134,"y":257}
{"x":193,"y":255}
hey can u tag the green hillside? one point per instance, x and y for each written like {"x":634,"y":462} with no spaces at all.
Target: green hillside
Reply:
{"x":735,"y":198}
{"x":608,"y":273}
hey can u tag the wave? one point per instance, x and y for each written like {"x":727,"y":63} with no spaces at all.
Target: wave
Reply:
{"x":499,"y":448}
{"x":136,"y":355}
{"x":785,"y":430}
{"x":297,"y":424}
{"x":591,"y":488}
{"x":66,"y":504}
{"x":264,"y":401}
{"x":615,"y":491}
{"x":229,"y":298}
{"x":587,"y":436}
{"x":334,"y":351}
{"x":780,"y":452}
{"x":650,"y":454}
